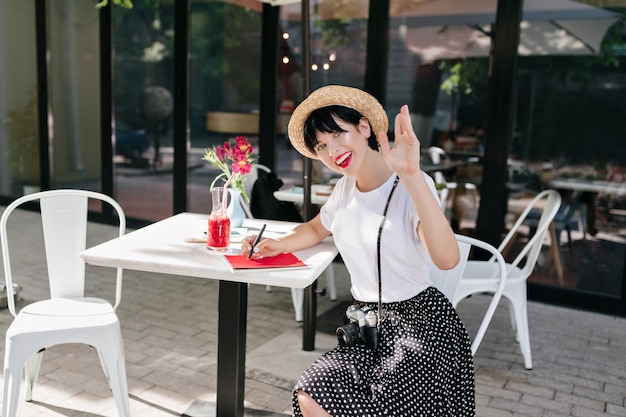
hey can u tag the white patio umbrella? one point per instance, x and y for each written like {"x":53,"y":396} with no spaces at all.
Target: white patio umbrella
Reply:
{"x":444,"y":29}
{"x":458,"y":29}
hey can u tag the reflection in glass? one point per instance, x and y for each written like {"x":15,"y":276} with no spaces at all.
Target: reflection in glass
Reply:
{"x":568,"y":131}
{"x":225,"y":45}
{"x":144,"y":158}
{"x":74,"y":94}
{"x":19,"y":152}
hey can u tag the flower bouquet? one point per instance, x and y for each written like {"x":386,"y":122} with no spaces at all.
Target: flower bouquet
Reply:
{"x":235,"y":161}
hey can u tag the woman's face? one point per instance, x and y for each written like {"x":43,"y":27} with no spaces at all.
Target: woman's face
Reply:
{"x":344,"y":151}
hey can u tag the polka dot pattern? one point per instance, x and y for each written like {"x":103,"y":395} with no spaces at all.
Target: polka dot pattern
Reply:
{"x":423,"y":366}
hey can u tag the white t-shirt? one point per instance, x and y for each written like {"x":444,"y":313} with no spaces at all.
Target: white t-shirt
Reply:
{"x":353,"y":217}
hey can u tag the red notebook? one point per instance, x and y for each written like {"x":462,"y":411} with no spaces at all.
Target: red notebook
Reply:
{"x":284,"y":260}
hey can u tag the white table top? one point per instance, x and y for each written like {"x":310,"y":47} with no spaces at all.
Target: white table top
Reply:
{"x":161,"y":248}
{"x":581,"y":184}
{"x":319,"y":194}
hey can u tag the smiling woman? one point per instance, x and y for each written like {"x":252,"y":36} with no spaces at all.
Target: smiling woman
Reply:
{"x":390,"y":231}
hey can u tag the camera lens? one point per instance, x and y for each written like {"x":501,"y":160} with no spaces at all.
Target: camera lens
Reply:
{"x":348,"y":335}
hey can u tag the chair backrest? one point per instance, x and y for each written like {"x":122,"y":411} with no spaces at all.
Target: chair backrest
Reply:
{"x":436,"y":154}
{"x":447,"y":281}
{"x":548,"y":203}
{"x":64,"y":223}
{"x":248,"y":184}
{"x":442,"y":189}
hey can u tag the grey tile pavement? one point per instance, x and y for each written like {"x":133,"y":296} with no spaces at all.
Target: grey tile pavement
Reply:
{"x":169,"y":330}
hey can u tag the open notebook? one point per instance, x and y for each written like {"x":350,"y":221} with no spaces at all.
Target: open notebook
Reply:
{"x":284,"y":260}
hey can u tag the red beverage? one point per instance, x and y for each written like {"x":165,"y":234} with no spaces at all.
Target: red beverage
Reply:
{"x":218,"y":236}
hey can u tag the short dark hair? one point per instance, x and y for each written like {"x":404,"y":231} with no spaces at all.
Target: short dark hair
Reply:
{"x":321,"y":120}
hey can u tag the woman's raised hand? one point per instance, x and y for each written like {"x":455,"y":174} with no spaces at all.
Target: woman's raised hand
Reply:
{"x":404,"y":157}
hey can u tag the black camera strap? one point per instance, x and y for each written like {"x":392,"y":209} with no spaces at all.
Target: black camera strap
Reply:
{"x":380,"y":232}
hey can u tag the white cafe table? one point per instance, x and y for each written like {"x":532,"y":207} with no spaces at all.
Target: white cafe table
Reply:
{"x":590,"y":189}
{"x":592,"y":186}
{"x":319,"y":194}
{"x":162,"y":248}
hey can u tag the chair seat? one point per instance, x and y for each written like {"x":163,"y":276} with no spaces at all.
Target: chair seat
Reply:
{"x":66,"y":328}
{"x":87,"y":306}
{"x":482,"y":276}
{"x":490,"y":270}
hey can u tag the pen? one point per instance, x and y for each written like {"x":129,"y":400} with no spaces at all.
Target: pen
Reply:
{"x":256,"y":241}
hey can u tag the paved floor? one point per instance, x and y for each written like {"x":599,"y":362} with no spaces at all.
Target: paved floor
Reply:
{"x":169,"y":330}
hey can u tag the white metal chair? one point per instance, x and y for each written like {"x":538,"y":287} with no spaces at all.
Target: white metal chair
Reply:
{"x":248,"y":184}
{"x":480,"y":277}
{"x":447,"y":192}
{"x":297,"y":294}
{"x":571,"y":213}
{"x":68,"y":316}
{"x":447,"y":281}
{"x":436,"y":154}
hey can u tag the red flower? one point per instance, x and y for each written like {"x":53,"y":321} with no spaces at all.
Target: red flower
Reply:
{"x":233,"y":160}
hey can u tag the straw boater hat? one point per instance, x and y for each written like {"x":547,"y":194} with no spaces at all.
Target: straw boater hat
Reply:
{"x":335,"y":95}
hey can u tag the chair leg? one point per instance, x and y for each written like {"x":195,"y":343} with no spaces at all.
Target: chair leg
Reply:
{"x":330,"y":281}
{"x":297,"y":297}
{"x":119,"y":386}
{"x":31,"y":371}
{"x":297,"y":294}
{"x":15,"y":356}
{"x":104,"y":367}
{"x":570,"y":246}
{"x":520,"y":315}
{"x":112,"y":358}
{"x":513,"y":320}
{"x":11,"y":391}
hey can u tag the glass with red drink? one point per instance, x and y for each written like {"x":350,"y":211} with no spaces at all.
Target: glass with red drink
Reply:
{"x":218,"y":234}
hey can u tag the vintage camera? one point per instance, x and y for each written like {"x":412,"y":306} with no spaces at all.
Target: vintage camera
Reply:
{"x":360,"y":327}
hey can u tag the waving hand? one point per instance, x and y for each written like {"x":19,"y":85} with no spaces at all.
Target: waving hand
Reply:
{"x":404,"y":157}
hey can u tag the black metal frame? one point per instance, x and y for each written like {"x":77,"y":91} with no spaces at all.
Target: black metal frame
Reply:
{"x":181,"y":103}
{"x":44,"y":109}
{"x":231,"y":341}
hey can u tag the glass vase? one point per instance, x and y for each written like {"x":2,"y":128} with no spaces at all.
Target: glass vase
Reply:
{"x":235,"y":210}
{"x":218,"y":234}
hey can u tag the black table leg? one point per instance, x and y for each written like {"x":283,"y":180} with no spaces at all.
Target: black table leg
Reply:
{"x":231,"y":348}
{"x":309,"y":317}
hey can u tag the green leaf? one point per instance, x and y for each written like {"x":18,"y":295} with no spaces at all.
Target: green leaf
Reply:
{"x":127,"y":4}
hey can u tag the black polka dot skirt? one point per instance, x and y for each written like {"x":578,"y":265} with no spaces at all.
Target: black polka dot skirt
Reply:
{"x":423,"y":366}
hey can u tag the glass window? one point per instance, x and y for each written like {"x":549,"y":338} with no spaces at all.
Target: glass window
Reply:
{"x":570,"y":136}
{"x":338,"y":43}
{"x":19,"y":151}
{"x":225,"y":68}
{"x":568,"y":130}
{"x":74,"y":94}
{"x":144,"y":104}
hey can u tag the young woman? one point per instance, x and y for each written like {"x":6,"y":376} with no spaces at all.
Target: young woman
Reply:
{"x":390,"y":233}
